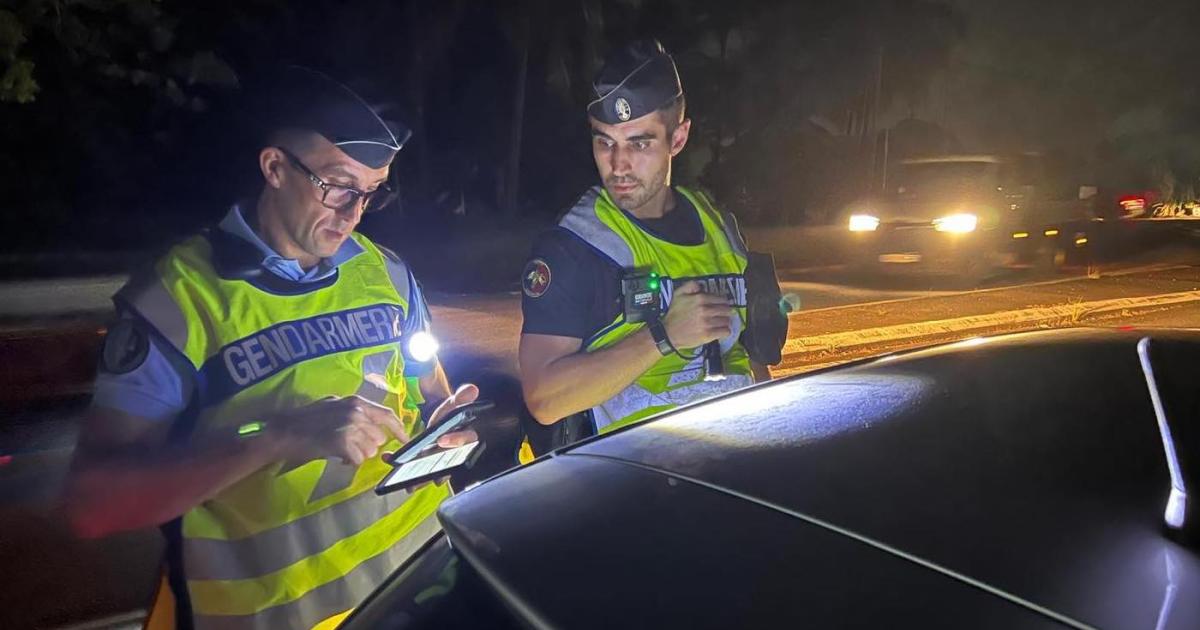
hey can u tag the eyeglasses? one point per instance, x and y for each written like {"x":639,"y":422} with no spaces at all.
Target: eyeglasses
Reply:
{"x":341,"y":198}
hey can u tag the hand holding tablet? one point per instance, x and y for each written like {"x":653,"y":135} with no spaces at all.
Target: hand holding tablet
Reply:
{"x":422,"y":460}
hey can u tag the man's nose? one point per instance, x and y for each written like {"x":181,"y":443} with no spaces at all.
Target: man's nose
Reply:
{"x":353,"y":212}
{"x":619,"y":162}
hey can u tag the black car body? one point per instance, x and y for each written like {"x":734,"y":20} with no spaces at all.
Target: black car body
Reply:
{"x":1015,"y":481}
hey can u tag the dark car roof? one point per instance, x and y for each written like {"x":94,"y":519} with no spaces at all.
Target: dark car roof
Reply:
{"x":1018,"y":480}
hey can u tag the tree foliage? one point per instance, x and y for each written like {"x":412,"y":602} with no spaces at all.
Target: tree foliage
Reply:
{"x":1113,"y":83}
{"x":129,"y":41}
{"x":131,"y":112}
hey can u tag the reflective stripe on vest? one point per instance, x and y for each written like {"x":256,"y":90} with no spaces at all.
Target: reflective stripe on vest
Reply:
{"x":328,"y":600}
{"x":295,"y":542}
{"x":718,"y":264}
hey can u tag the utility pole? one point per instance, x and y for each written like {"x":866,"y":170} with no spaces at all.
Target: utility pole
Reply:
{"x":873,"y":119}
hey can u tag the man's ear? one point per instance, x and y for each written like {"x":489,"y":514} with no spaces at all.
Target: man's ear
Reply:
{"x":271,"y":162}
{"x":679,"y":137}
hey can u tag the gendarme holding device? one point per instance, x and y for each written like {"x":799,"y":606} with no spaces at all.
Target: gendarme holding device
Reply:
{"x":623,"y":296}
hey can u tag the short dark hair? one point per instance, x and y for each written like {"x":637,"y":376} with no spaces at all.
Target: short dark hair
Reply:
{"x":674,"y":113}
{"x":298,"y":141}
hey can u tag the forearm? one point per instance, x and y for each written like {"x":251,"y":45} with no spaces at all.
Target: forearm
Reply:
{"x":435,"y":386}
{"x":582,"y":380}
{"x":112,"y":492}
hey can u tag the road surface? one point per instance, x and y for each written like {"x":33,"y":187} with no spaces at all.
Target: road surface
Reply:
{"x":839,"y":321}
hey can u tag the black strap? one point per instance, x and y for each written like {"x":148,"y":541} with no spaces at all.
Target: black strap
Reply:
{"x":173,"y":532}
{"x":659,"y":333}
{"x":573,"y":428}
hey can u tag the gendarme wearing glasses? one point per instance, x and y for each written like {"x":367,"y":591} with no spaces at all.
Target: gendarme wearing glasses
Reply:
{"x":255,"y":375}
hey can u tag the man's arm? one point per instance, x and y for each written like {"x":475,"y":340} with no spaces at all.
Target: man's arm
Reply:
{"x":435,"y":385}
{"x":432,"y":379}
{"x":559,"y":379}
{"x":125,"y":475}
{"x":123,"y":478}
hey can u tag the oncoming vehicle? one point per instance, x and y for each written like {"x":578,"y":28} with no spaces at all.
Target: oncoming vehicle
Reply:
{"x":982,"y":484}
{"x":970,"y":216}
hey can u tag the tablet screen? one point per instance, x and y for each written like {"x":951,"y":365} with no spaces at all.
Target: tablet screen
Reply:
{"x":431,"y":464}
{"x":459,"y":417}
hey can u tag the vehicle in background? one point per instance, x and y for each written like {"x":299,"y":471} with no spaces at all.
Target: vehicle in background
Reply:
{"x":971,"y":216}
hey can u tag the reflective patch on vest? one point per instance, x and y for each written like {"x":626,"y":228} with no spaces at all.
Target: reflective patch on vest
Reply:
{"x":635,"y":398}
{"x":375,"y":387}
{"x":257,"y":357}
{"x":732,"y":286}
{"x":535,"y":280}
{"x":125,"y":347}
{"x":337,"y":476}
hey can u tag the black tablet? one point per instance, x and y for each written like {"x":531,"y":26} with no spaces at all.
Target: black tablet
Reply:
{"x":421,"y":460}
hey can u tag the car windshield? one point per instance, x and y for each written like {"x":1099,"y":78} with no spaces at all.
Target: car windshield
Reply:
{"x":437,"y":589}
{"x":942,"y":179}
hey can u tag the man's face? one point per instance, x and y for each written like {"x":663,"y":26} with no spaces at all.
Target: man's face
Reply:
{"x":634,"y":157}
{"x":311,"y":227}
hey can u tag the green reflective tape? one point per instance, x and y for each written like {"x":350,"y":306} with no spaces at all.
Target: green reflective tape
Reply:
{"x":250,"y":428}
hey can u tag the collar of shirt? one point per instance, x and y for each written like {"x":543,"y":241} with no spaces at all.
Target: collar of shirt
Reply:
{"x":287,"y":268}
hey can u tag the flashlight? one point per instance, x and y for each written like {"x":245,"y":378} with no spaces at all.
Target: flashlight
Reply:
{"x":714,"y":369}
{"x":422,"y":346}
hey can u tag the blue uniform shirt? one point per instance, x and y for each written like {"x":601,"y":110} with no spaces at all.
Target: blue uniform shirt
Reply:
{"x":162,"y":385}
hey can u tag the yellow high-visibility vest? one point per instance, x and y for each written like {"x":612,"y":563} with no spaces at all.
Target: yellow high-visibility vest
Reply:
{"x":294,"y":543}
{"x":718,"y":263}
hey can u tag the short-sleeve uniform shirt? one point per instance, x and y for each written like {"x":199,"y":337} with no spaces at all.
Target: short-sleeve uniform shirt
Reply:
{"x":574,"y":290}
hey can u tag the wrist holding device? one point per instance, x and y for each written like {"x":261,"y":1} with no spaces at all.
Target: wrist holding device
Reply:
{"x":659,"y":333}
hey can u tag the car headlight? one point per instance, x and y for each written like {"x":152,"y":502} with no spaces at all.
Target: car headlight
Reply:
{"x":863,"y":223}
{"x":956,"y":223}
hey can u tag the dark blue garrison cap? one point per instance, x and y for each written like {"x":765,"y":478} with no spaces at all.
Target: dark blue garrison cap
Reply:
{"x":636,"y":80}
{"x":310,"y":100}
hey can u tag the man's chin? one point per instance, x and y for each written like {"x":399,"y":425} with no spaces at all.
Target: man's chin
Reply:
{"x":627,"y":200}
{"x":322,"y":250}
{"x":330,"y":241}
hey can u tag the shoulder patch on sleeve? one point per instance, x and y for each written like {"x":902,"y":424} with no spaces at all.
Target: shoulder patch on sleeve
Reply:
{"x":535,"y":280}
{"x":125,"y":347}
